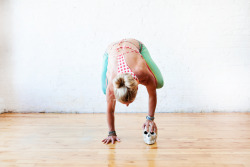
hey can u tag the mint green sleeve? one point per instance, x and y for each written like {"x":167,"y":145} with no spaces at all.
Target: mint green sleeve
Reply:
{"x":153,"y":67}
{"x":104,"y":71}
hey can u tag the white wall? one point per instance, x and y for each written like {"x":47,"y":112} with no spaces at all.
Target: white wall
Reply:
{"x":6,"y":94}
{"x":51,"y":53}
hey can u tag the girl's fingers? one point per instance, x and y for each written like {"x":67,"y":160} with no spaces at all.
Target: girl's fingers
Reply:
{"x":155,"y":128}
{"x":107,"y":142}
{"x":152,"y":128}
{"x":147,"y":125}
{"x":143,"y":126}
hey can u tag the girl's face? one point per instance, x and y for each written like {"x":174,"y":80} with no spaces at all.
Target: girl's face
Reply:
{"x":126,"y":103}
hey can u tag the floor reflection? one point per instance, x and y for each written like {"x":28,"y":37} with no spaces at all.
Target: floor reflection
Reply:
{"x":147,"y":158}
{"x":150,"y":154}
{"x":111,"y":155}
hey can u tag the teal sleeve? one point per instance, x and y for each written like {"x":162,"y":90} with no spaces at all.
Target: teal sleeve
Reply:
{"x":104,"y":71}
{"x":153,"y":67}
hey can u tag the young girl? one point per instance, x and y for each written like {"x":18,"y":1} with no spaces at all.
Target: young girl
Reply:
{"x":124,"y":69}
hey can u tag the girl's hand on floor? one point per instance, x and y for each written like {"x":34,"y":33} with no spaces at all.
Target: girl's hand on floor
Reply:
{"x":110,"y":139}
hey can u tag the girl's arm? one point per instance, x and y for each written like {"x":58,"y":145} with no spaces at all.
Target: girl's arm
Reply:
{"x":151,"y":88}
{"x":110,"y":108}
{"x":152,"y":101}
{"x":149,"y":81}
{"x":110,"y":116}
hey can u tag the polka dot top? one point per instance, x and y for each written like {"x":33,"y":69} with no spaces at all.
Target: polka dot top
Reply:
{"x":122,"y":65}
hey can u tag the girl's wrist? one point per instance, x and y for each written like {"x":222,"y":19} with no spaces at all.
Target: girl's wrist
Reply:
{"x":150,"y":118}
{"x":112,"y":133}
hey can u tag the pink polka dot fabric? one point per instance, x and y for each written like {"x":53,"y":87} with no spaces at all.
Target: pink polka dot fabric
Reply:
{"x":123,"y":67}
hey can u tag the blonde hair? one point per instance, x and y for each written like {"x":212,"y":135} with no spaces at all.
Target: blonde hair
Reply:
{"x":125,"y":87}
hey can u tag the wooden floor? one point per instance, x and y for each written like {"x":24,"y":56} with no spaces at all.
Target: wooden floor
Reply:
{"x":184,"y":140}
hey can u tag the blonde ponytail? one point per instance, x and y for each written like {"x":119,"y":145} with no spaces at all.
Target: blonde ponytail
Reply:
{"x":125,"y":87}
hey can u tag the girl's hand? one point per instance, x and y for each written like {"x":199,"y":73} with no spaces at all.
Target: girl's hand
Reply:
{"x":147,"y":123}
{"x":110,"y":139}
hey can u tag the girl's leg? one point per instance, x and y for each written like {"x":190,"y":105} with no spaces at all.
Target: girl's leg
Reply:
{"x":151,"y":64}
{"x":104,"y":71}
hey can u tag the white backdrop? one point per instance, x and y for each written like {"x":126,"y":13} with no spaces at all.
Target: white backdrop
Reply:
{"x":51,"y":53}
